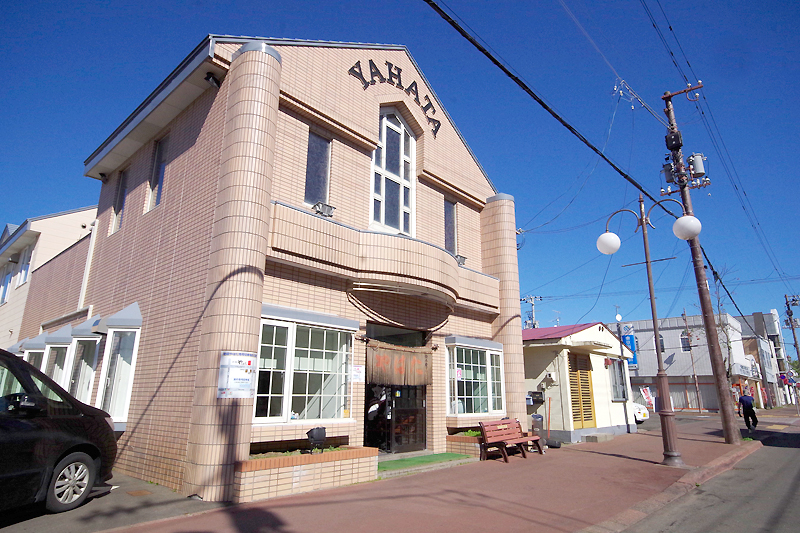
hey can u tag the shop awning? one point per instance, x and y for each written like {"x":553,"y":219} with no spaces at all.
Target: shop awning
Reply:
{"x":388,"y":364}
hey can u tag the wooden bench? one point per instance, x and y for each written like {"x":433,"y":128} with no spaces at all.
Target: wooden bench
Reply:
{"x":503,"y":433}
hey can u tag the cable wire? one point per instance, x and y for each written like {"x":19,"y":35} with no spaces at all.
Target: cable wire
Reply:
{"x":522,"y":85}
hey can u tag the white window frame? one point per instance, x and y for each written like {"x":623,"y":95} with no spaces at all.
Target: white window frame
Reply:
{"x":24,"y":266}
{"x":27,"y":357}
{"x":409,"y":181}
{"x":6,"y":275}
{"x":451,"y":381}
{"x":48,"y":353}
{"x":288,"y":381}
{"x":119,"y":422}
{"x":618,"y":372}
{"x":70,"y":366}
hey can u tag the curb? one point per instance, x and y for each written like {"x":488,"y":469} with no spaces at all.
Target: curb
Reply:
{"x":690,"y":481}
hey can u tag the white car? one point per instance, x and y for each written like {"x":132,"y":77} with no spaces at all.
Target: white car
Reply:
{"x":640,"y":412}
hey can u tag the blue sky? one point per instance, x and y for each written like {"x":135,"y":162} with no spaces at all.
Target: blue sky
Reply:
{"x":74,"y":71}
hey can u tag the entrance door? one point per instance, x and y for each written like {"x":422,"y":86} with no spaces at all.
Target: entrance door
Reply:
{"x":580,"y":388}
{"x":395,"y":418}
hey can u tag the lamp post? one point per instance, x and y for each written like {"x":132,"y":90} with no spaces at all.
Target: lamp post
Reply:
{"x":686,"y":227}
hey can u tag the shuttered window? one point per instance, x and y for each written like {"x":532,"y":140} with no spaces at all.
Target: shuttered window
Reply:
{"x":580,"y":387}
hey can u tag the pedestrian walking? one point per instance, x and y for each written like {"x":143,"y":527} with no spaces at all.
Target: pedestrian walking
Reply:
{"x":746,"y":406}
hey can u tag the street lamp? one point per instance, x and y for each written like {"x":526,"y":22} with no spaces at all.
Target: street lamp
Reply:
{"x":685,"y":228}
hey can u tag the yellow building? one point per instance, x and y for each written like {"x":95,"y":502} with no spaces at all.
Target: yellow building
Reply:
{"x":577,"y":378}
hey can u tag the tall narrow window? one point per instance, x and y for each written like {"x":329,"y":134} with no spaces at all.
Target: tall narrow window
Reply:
{"x":24,"y":265}
{"x":83,"y":365}
{"x":661,"y":343}
{"x":157,"y":177}
{"x":56,"y":360}
{"x":318,"y":164}
{"x":119,"y":200}
{"x":450,"y":226}
{"x":119,"y":363}
{"x":5,"y":283}
{"x":393,"y":174}
{"x":686,"y":342}
{"x":619,"y":390}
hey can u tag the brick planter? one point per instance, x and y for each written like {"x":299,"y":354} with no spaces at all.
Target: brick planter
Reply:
{"x":260,"y":479}
{"x":466,"y":445}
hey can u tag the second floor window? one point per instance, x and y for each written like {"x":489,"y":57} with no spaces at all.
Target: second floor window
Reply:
{"x":318,"y":165}
{"x":450,"y":226}
{"x":157,"y":177}
{"x":119,"y":200}
{"x":5,"y":283}
{"x":24,"y":265}
{"x":393,"y":177}
{"x":686,"y":342}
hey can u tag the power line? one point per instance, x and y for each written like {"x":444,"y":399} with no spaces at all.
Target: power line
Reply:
{"x":720,"y":148}
{"x":522,"y":85}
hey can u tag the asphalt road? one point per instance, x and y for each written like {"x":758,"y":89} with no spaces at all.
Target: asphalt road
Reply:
{"x":760,"y":494}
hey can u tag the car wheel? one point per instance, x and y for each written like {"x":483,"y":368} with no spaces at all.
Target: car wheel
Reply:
{"x":73,"y":478}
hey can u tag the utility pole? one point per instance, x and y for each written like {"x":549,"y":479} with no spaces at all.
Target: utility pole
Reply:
{"x":730,"y":429}
{"x":789,"y":303}
{"x":790,"y":322}
{"x":691,"y":354}
{"x":531,"y":300}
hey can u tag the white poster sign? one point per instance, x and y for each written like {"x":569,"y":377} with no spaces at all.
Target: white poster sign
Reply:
{"x":358,"y":373}
{"x":237,"y":375}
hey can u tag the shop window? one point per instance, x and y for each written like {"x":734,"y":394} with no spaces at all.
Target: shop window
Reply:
{"x":450,"y":226}
{"x":302,"y":372}
{"x":475,"y":380}
{"x":119,"y":200}
{"x":393,"y":177}
{"x":157,"y":175}
{"x":318,"y":162}
{"x":116,"y":377}
{"x":24,"y":265}
{"x":619,"y":390}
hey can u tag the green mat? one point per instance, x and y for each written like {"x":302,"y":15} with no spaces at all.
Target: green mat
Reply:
{"x":411,"y":462}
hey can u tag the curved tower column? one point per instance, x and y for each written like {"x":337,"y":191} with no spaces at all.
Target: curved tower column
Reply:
{"x":220,"y":429}
{"x":499,"y":243}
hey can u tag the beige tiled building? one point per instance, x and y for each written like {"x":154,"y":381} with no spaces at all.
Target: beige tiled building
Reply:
{"x":310,"y":208}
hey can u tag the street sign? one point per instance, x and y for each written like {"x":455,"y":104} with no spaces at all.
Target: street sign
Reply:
{"x":629,"y":340}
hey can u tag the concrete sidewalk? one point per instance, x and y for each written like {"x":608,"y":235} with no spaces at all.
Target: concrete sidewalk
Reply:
{"x":597,"y":487}
{"x":590,"y":487}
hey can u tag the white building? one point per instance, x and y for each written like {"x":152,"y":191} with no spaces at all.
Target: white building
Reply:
{"x":686,"y":360}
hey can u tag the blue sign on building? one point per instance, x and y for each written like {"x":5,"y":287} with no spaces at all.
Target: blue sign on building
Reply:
{"x":629,"y":340}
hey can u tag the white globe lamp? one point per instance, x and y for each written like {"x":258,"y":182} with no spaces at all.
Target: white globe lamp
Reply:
{"x":687,"y":227}
{"x":608,"y":243}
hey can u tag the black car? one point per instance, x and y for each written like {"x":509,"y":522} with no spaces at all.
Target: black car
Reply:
{"x":53,"y":448}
